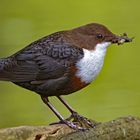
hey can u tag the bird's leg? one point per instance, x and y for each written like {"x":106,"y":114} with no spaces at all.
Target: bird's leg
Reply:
{"x":75,"y":115}
{"x":70,"y":124}
{"x":68,"y":107}
{"x":46,"y":101}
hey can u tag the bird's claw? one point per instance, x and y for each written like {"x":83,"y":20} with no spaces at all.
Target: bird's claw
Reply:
{"x":77,"y":122}
{"x":74,"y":126}
{"x":80,"y":118}
{"x":70,"y":124}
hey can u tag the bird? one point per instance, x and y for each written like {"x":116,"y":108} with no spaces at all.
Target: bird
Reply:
{"x":60,"y":64}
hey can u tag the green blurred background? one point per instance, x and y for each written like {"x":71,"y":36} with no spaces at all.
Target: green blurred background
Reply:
{"x":116,"y":91}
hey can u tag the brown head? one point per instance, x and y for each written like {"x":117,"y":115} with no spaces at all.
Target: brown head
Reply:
{"x":88,"y":36}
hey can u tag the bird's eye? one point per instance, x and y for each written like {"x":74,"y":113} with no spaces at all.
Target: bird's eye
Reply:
{"x":99,"y":36}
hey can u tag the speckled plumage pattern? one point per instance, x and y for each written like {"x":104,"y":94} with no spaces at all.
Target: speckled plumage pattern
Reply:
{"x":43,"y":66}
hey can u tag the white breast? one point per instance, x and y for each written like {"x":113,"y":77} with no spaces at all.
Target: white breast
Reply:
{"x":90,"y":65}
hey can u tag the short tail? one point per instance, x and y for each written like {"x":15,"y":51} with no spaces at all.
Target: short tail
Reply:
{"x":3,"y":75}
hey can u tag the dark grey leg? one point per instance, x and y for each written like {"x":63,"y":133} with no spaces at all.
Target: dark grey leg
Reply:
{"x":70,"y":124}
{"x":74,"y":114}
{"x":66,"y":104}
{"x":46,"y":101}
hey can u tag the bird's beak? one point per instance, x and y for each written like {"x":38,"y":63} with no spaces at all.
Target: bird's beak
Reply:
{"x":121,"y":39}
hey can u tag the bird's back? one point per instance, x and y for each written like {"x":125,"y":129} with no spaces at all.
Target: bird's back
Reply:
{"x":46,"y":66}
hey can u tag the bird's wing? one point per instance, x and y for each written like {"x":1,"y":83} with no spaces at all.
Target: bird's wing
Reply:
{"x":42,"y":61}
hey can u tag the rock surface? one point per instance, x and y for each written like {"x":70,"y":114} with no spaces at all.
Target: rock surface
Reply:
{"x":125,"y":128}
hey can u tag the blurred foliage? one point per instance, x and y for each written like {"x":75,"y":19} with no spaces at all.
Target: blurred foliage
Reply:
{"x":116,"y":91}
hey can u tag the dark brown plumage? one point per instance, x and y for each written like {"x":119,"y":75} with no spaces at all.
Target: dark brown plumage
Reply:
{"x":48,"y":65}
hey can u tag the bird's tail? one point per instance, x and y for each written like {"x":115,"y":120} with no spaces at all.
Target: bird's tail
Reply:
{"x":3,"y":75}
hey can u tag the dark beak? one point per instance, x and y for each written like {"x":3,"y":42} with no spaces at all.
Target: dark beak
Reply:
{"x":121,"y":39}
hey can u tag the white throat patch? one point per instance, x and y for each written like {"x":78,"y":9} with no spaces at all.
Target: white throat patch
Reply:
{"x":90,"y":65}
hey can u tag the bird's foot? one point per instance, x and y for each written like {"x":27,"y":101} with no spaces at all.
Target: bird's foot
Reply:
{"x":75,"y":120}
{"x":70,"y":124}
{"x":62,"y":121}
{"x":79,"y":118}
{"x":74,"y":126}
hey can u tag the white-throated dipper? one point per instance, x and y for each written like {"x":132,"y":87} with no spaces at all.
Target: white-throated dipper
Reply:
{"x":60,"y":64}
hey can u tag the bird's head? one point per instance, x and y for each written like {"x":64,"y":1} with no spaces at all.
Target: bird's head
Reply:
{"x":96,"y":34}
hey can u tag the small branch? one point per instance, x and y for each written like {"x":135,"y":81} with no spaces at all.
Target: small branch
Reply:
{"x":125,"y":128}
